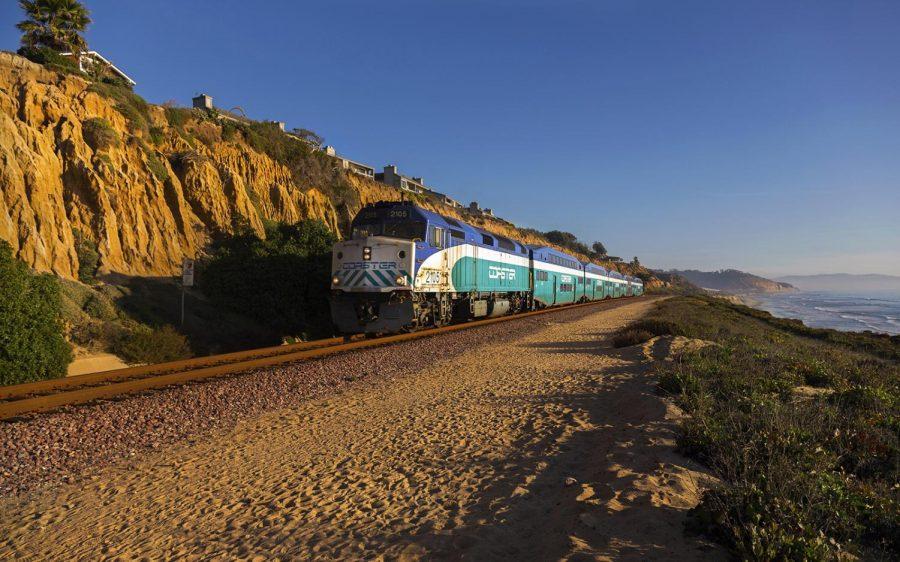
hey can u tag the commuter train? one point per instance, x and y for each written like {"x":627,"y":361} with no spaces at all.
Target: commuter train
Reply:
{"x":405,"y":268}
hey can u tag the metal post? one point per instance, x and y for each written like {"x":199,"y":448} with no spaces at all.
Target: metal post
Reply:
{"x":187,"y":280}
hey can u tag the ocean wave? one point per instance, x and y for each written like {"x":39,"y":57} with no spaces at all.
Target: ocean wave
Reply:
{"x":844,"y":312}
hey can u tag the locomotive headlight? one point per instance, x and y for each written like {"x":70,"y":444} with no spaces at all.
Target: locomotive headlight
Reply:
{"x":335,"y":280}
{"x":401,"y":280}
{"x":367,"y":253}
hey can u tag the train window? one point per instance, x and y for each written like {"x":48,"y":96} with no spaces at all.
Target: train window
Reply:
{"x":459,"y":234}
{"x":505,"y":243}
{"x":366,"y":230}
{"x":437,"y":237}
{"x":405,"y":230}
{"x":487,"y":240}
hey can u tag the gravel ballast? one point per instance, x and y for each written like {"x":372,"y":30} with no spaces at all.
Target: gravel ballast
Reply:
{"x":67,"y":444}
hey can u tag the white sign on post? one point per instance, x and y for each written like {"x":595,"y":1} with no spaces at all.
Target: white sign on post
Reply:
{"x":187,"y":273}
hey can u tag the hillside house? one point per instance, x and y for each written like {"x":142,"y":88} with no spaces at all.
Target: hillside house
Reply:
{"x":392,"y":177}
{"x":92,"y":62}
{"x":203,"y":101}
{"x":445,"y":199}
{"x":351,"y":166}
{"x":475,"y":210}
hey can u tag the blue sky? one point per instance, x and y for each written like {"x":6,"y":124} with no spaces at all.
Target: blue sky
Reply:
{"x":763,"y":136}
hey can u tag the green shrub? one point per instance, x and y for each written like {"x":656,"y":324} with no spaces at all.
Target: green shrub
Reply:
{"x":157,"y":135}
{"x":208,"y":133}
{"x":143,"y":344}
{"x":630,"y":336}
{"x":178,"y":117}
{"x":133,"y":107}
{"x":51,"y":59}
{"x":154,"y":164}
{"x":677,"y":382}
{"x":88,"y":257}
{"x":32,"y":346}
{"x":229,"y":130}
{"x":99,"y":307}
{"x":658,"y":327}
{"x":99,"y":335}
{"x":309,"y":167}
{"x":282,"y":281}
{"x":99,"y":134}
{"x":814,"y":373}
{"x":157,"y":168}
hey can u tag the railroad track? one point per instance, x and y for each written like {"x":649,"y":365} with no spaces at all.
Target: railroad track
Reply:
{"x":46,"y":395}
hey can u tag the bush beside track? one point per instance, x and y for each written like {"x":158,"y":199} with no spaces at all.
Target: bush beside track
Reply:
{"x":282,"y":281}
{"x":800,"y":424}
{"x":32,"y":346}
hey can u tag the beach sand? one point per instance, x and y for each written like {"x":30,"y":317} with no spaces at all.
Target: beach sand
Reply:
{"x":550,"y":446}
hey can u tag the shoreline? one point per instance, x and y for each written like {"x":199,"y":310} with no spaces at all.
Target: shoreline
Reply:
{"x":844,"y":312}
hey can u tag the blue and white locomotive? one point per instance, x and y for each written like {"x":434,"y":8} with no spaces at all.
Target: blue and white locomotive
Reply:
{"x":404,"y":268}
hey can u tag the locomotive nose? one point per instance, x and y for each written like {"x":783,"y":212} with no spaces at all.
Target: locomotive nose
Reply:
{"x":373,"y":264}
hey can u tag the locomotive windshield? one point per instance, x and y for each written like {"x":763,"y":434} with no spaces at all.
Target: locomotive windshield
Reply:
{"x":408,"y":230}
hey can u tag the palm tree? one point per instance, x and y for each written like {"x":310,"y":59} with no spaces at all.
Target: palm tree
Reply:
{"x":54,"y":24}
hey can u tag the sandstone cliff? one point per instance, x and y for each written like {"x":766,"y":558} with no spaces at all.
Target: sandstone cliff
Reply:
{"x":156,"y":190}
{"x":143,"y":215}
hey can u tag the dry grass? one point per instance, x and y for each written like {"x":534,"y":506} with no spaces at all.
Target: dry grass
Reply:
{"x":631,"y":336}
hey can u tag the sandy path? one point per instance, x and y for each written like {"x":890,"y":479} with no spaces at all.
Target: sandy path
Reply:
{"x":94,"y":364}
{"x":465,"y":459}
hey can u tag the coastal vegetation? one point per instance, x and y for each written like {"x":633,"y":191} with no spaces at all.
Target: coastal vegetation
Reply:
{"x":801,"y":426}
{"x":32,"y":346}
{"x":88,"y":257}
{"x":280,"y":280}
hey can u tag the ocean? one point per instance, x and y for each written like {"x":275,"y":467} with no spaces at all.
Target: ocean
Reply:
{"x":878,"y":312}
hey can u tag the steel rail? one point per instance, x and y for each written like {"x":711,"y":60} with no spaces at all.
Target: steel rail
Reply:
{"x":123,"y":381}
{"x":87,"y":379}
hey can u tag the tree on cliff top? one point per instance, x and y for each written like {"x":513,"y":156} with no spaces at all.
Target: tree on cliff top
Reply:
{"x":567,"y":240}
{"x":32,"y":346}
{"x":54,"y":24}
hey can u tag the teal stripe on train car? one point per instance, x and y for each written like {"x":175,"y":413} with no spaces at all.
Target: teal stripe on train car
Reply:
{"x":489,"y":275}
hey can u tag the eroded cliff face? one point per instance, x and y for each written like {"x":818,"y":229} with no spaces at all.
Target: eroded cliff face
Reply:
{"x":144,"y":216}
{"x":146,"y":202}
